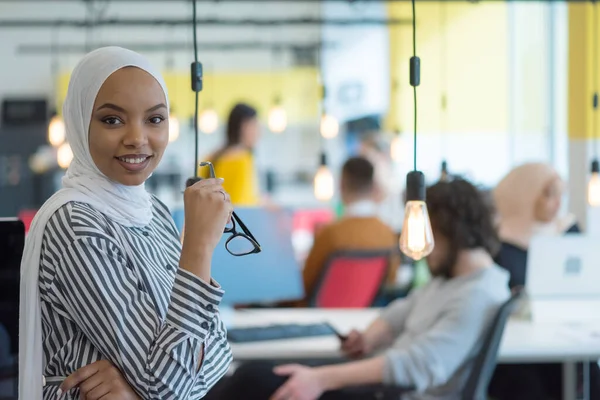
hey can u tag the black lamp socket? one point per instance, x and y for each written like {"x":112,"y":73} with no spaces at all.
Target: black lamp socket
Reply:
{"x":323,"y":159}
{"x":415,"y":186}
{"x":197,"y":75}
{"x":415,"y":71}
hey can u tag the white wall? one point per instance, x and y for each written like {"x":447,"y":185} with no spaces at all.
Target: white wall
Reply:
{"x":360,"y":62}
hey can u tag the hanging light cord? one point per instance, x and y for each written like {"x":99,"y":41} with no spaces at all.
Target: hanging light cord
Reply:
{"x":595,"y":72}
{"x":196,"y":135}
{"x":444,"y":77}
{"x":414,"y":32}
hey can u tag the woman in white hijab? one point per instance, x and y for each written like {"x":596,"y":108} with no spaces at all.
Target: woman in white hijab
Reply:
{"x":528,"y":201}
{"x":111,"y":306}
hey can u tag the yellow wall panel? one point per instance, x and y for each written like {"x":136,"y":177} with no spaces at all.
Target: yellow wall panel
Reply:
{"x":476,"y":69}
{"x":299,"y":90}
{"x":581,"y":88}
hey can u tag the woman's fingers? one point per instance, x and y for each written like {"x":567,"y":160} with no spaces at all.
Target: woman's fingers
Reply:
{"x":77,"y":377}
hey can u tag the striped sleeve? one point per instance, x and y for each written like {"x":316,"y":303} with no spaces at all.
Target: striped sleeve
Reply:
{"x":159,"y":359}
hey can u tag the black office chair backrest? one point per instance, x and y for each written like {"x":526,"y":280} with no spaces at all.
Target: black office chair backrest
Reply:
{"x":485,"y":362}
{"x":12,"y":238}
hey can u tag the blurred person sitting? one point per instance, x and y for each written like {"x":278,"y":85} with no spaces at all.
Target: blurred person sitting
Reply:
{"x":528,"y":201}
{"x":428,"y":340}
{"x":358,"y":229}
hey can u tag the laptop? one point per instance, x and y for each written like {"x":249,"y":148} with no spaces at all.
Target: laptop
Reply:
{"x":12,"y":240}
{"x":563,"y":277}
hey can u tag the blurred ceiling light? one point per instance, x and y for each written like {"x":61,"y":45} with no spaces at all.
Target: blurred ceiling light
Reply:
{"x":397,"y":147}
{"x":329,"y":126}
{"x":56,"y":131}
{"x":277,"y":118}
{"x":208,"y":122}
{"x":323,"y":183}
{"x":43,"y":159}
{"x":173,"y":128}
{"x":64,"y":156}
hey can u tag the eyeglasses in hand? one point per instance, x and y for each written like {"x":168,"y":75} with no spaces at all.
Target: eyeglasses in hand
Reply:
{"x":240,"y":243}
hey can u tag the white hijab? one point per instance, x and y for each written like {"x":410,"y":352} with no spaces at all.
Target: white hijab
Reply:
{"x":127,"y":205}
{"x":515,"y":198}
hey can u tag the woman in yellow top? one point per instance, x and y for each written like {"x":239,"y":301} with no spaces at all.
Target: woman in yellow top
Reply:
{"x":234,"y":162}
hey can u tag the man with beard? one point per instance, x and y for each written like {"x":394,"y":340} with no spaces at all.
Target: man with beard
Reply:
{"x":433,"y":335}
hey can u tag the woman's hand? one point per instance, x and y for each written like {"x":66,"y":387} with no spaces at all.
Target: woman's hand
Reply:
{"x":304,"y":383}
{"x":99,"y":380}
{"x":207,"y":210}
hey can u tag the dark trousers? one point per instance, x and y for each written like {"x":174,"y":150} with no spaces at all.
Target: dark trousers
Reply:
{"x":536,"y":381}
{"x":256,"y":381}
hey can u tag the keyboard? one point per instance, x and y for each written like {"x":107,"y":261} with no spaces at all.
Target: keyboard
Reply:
{"x":279,"y":332}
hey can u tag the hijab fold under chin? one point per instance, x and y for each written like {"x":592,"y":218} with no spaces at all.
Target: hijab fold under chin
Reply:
{"x":130,"y":206}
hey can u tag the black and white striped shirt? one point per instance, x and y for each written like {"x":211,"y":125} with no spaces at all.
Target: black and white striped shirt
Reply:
{"x":116,"y":293}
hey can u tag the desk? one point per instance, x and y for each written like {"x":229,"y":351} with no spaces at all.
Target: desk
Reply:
{"x":523,"y":342}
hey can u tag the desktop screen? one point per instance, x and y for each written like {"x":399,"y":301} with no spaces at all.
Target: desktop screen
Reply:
{"x":269,"y":276}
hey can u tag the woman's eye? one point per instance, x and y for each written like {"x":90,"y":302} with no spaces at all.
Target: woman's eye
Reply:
{"x":112,"y":121}
{"x":156,"y":120}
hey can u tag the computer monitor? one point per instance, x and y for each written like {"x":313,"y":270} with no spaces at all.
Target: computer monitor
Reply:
{"x":12,"y":240}
{"x":269,"y":276}
{"x":564,"y":266}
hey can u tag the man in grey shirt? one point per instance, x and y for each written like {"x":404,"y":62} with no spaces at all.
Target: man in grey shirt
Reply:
{"x":428,"y":340}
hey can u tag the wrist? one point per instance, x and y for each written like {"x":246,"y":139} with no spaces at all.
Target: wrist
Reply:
{"x":196,"y":260}
{"x":330,"y":378}
{"x":371,"y":343}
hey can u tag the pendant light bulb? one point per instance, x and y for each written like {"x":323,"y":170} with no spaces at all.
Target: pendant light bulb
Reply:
{"x":594,"y":185}
{"x":416,"y":240}
{"x":323,"y":183}
{"x":208,"y":122}
{"x":64,"y":156}
{"x":330,"y":126}
{"x":396,"y":147}
{"x":277,"y":118}
{"x":56,"y":131}
{"x":173,"y":128}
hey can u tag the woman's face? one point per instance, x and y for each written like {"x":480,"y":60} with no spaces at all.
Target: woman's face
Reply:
{"x":548,"y":203}
{"x":129,"y":128}
{"x":250,"y":132}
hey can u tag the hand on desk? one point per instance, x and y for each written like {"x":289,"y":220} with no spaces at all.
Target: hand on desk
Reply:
{"x":304,"y":383}
{"x":99,"y":380}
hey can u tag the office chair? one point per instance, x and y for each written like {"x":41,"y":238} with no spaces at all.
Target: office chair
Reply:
{"x":12,"y":237}
{"x":483,"y":364}
{"x":352,"y":279}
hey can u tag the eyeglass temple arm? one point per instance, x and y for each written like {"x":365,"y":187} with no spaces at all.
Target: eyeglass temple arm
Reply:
{"x":244,"y":227}
{"x":210,"y":167}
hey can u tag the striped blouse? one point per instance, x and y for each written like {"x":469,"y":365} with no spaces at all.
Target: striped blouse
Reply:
{"x":116,"y":293}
